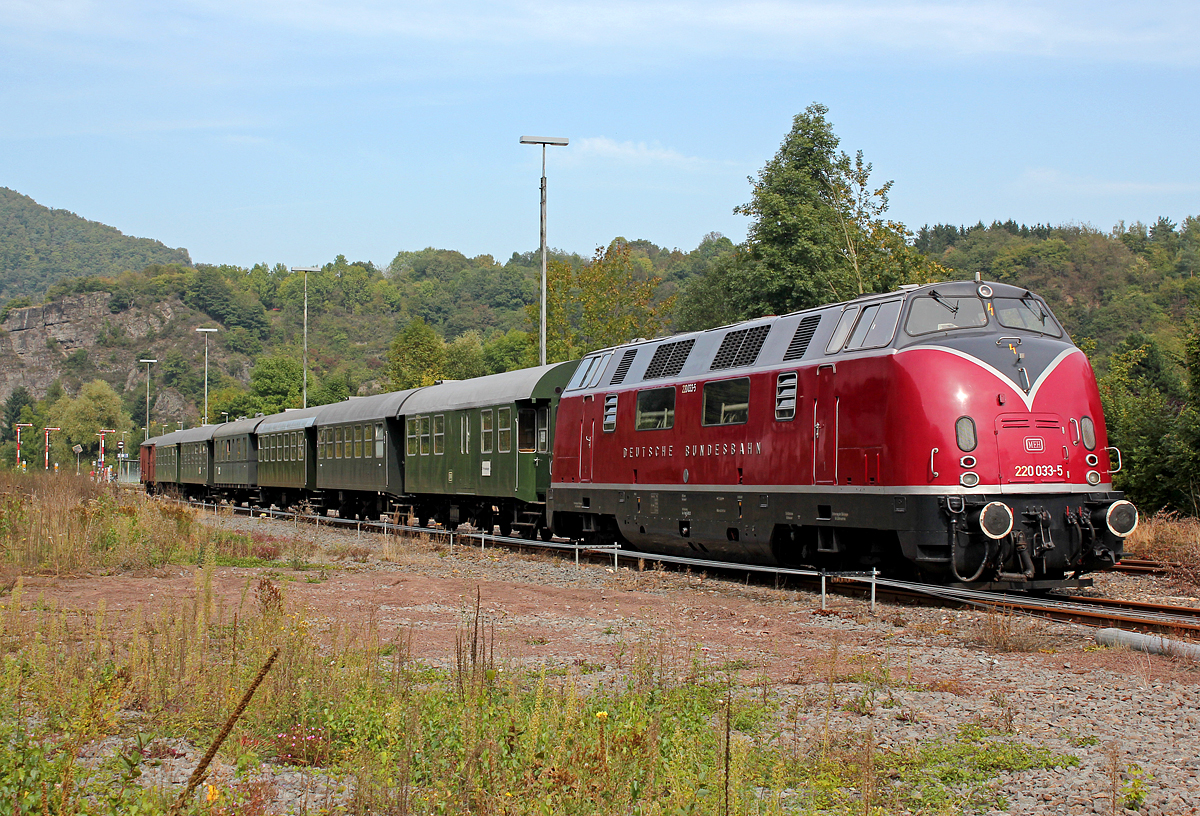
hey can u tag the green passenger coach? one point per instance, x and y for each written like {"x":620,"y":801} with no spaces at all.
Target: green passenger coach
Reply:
{"x":479,"y":450}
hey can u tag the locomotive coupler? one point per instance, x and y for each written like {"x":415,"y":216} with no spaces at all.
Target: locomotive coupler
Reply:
{"x":1043,"y":540}
{"x":1025,"y":559}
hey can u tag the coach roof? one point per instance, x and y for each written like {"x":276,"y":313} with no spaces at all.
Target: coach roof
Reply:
{"x":241,"y":426}
{"x":290,"y":420}
{"x":525,"y":383}
{"x":365,"y":409}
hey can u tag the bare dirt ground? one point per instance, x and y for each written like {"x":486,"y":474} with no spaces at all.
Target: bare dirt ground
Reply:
{"x":951,"y":666}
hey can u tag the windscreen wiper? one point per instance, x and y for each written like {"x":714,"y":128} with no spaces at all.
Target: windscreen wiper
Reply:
{"x":953,"y":309}
{"x":1027,"y":299}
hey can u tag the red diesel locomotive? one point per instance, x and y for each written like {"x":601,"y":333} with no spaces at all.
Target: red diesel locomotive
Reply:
{"x":951,"y":430}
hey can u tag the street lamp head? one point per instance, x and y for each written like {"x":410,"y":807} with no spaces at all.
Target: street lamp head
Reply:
{"x":561,"y":141}
{"x":147,"y":361}
{"x":206,"y":330}
{"x":306,"y":269}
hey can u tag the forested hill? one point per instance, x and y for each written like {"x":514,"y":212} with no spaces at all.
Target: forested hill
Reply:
{"x":40,"y":246}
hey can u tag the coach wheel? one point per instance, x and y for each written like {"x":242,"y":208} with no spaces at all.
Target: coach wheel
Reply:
{"x":545,"y":534}
{"x":505,"y":527}
{"x":483,"y":522}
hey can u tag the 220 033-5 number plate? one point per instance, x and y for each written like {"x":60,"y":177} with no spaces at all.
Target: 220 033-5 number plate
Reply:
{"x":1038,"y":471}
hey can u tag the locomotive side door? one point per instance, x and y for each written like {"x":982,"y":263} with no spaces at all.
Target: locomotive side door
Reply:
{"x":825,"y":427}
{"x":587,"y":432}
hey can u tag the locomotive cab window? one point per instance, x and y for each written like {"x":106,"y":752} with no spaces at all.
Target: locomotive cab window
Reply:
{"x":935,"y":312}
{"x":727,"y":402}
{"x":655,"y":409}
{"x":843,"y":330}
{"x":1026,"y":313}
{"x":526,"y":430}
{"x":875,"y":326}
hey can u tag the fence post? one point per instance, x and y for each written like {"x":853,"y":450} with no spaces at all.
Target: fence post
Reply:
{"x":874,"y":572}
{"x":822,"y":591}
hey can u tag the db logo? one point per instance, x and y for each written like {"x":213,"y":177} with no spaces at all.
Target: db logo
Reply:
{"x":1034,"y":444}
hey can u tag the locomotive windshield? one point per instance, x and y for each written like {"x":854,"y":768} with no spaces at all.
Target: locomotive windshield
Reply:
{"x":1026,"y":313}
{"x":935,"y":312}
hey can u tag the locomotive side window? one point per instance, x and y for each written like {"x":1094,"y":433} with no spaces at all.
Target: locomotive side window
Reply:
{"x":598,"y":369}
{"x":485,"y":430}
{"x":610,"y":412}
{"x":936,"y":313}
{"x":503,"y":430}
{"x":425,"y":435}
{"x":411,"y":429}
{"x":655,"y":409}
{"x":582,"y":373}
{"x":876,"y":330}
{"x":964,"y":432}
{"x":526,"y":430}
{"x":785,"y":396}
{"x":439,"y":435}
{"x":1025,"y":313}
{"x":1088,"y":432}
{"x":843,"y":330}
{"x":727,"y":402}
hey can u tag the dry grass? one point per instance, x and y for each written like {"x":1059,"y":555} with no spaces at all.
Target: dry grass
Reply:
{"x":1168,"y":536}
{"x":1006,"y":631}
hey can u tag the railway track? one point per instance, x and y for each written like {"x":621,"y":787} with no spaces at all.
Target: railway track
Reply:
{"x":1146,"y":565}
{"x":1087,"y":610}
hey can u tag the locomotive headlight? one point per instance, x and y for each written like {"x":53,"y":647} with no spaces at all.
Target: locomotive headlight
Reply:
{"x":1121,"y":518}
{"x":1092,"y":460}
{"x":996,"y":520}
{"x":1093,"y":478}
{"x":969,"y":479}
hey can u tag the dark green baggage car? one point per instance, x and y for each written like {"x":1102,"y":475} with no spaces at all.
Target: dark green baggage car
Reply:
{"x":479,"y":450}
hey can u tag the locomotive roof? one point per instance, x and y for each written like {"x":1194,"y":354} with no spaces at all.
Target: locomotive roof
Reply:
{"x":761,"y":342}
{"x":526,"y":383}
{"x":359,"y":409}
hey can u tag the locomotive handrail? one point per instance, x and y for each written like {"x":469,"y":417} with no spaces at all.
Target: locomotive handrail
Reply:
{"x":1002,"y":339}
{"x":931,"y":455}
{"x":1078,"y":435}
{"x":1119,"y":463}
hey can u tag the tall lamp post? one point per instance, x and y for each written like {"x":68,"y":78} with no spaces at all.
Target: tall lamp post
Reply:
{"x":206,"y":333}
{"x":561,"y":141}
{"x":148,"y":363}
{"x":306,"y":270}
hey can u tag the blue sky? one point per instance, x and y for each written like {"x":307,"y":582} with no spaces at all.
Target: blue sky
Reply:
{"x":294,"y":130}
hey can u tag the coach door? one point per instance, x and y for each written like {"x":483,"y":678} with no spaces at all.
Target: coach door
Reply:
{"x":466,"y":471}
{"x":825,"y":428}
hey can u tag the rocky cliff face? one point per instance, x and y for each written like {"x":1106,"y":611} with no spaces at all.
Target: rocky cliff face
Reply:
{"x":36,"y":342}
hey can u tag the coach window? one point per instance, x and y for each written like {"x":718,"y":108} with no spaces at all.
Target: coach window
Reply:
{"x":411,"y":428}
{"x":300,"y":446}
{"x":464,"y":433}
{"x":655,"y":409}
{"x":610,"y":412}
{"x":526,"y":430}
{"x":358,"y":441}
{"x":485,"y":430}
{"x":320,"y":444}
{"x":379,"y":440}
{"x":425,"y":436}
{"x":295,"y":446}
{"x":727,"y":402}
{"x":337,"y":442}
{"x":543,"y":420}
{"x":439,"y":434}
{"x":368,"y":448}
{"x":785,"y":396}
{"x":503,"y":430}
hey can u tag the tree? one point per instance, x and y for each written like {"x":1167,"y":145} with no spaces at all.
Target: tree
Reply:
{"x":508,"y":352}
{"x":18,"y":399}
{"x":464,"y":357}
{"x":277,"y":382}
{"x":416,"y":358}
{"x":96,"y":406}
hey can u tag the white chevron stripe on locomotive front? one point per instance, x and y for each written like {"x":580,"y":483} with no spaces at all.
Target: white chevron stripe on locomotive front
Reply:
{"x":1029,"y":398}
